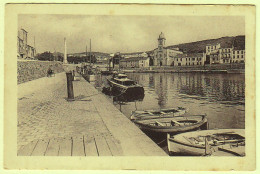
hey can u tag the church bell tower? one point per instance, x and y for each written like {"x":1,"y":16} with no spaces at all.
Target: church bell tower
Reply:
{"x":161,"y":42}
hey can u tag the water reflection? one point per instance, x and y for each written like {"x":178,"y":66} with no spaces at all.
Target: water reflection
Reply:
{"x":220,"y":96}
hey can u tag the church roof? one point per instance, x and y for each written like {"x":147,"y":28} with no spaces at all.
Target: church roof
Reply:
{"x":161,"y":36}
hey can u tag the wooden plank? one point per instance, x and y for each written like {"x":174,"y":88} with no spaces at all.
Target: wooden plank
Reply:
{"x":78,"y":146}
{"x":90,"y":146}
{"x":53,"y":148}
{"x":27,"y":150}
{"x":65,"y":147}
{"x":114,"y":146}
{"x":40,"y":148}
{"x":102,"y":147}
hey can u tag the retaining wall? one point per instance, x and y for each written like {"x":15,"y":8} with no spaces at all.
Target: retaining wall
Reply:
{"x":31,"y":70}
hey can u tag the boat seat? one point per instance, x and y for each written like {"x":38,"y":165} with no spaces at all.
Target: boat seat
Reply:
{"x":173,"y":123}
{"x":159,"y":123}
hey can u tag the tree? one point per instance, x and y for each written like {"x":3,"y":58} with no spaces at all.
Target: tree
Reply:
{"x":46,"y":56}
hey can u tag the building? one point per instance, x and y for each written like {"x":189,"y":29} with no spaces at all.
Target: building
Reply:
{"x":189,"y":59}
{"x":163,"y":56}
{"x":215,"y":54}
{"x":238,"y":55}
{"x":135,"y":62}
{"x":24,"y":50}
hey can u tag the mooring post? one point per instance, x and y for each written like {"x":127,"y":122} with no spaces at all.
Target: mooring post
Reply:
{"x":70,"y":86}
{"x":73,"y":75}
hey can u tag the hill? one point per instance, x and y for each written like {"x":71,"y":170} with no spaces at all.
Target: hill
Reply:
{"x":200,"y":46}
{"x":97,"y":54}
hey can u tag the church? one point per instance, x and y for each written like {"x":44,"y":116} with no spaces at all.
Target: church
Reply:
{"x":163,"y":56}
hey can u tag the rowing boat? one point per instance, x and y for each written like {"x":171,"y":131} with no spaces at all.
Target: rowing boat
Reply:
{"x":220,"y":142}
{"x":148,"y":114}
{"x":171,"y":124}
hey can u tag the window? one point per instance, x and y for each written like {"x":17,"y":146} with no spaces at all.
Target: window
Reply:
{"x":237,"y":56}
{"x":193,"y":59}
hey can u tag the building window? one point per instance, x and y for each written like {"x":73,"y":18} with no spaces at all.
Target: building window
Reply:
{"x":193,"y":59}
{"x":237,"y":56}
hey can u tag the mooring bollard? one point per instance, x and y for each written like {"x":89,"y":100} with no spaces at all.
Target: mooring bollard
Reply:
{"x":70,"y":86}
{"x":73,"y":75}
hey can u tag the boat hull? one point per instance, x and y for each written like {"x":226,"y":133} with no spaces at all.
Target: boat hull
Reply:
{"x":127,"y":93}
{"x":178,"y":145}
{"x":146,"y":126}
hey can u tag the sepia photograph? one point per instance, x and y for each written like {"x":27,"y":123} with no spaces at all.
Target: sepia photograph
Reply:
{"x":166,"y":85}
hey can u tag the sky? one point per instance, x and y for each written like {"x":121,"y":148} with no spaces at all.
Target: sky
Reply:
{"x":123,"y":34}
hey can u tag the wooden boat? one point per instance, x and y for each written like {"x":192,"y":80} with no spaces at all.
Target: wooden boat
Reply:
{"x":147,"y":114}
{"x":220,"y":142}
{"x":172,"y":124}
{"x":124,"y":87}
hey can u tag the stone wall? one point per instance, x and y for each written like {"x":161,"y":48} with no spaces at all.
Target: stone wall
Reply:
{"x":31,"y":70}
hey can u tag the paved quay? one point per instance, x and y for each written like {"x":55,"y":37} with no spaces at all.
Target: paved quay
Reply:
{"x":91,"y":125}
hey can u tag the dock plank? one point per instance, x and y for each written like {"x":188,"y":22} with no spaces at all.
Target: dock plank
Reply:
{"x":40,"y":148}
{"x":114,"y":146}
{"x":90,"y":146}
{"x":65,"y":147}
{"x":27,"y":150}
{"x":102,"y":147}
{"x":53,"y":148}
{"x":78,"y":146}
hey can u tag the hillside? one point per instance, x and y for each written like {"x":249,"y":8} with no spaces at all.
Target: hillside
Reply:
{"x":93,"y":53}
{"x":200,"y":46}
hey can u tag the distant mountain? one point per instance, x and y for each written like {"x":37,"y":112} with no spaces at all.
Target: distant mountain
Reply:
{"x":92,"y":53}
{"x":200,"y":46}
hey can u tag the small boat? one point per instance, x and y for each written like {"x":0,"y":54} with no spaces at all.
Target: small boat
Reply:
{"x":147,"y":114}
{"x":220,"y":142}
{"x":171,"y":124}
{"x":124,"y":87}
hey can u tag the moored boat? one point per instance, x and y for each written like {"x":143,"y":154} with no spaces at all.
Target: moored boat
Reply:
{"x":124,"y":87}
{"x":171,"y":124}
{"x":147,"y":114}
{"x":219,"y":142}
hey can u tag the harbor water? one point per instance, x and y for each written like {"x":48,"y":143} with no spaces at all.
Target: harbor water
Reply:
{"x":220,"y":96}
